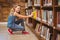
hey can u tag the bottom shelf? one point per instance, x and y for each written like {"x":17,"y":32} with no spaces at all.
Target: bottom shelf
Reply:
{"x":36,"y":34}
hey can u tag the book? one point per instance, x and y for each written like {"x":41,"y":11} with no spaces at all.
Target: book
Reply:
{"x":58,"y":17}
{"x":34,"y":14}
{"x":44,"y":12}
{"x":38,"y":15}
{"x":45,"y":33}
{"x":49,"y":3}
{"x":29,"y":3}
{"x":50,"y":17}
{"x":36,"y":2}
{"x":58,"y":37}
{"x":58,"y":2}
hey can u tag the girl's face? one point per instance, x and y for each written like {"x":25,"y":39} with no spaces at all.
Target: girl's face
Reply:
{"x":17,"y":9}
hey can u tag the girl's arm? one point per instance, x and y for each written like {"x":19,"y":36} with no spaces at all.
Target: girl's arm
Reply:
{"x":21,"y":16}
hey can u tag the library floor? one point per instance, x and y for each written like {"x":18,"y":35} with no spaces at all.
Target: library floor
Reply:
{"x":4,"y":35}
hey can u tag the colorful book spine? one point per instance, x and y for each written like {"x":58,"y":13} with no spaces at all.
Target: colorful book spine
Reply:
{"x":34,"y":14}
{"x":44,"y":12}
{"x":50,"y":17}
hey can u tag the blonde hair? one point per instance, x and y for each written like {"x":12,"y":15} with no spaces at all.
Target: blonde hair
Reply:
{"x":13,"y":9}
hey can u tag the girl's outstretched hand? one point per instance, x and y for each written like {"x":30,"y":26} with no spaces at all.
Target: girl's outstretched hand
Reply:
{"x":29,"y":15}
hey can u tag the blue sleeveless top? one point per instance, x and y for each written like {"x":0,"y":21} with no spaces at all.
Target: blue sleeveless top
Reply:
{"x":11,"y":20}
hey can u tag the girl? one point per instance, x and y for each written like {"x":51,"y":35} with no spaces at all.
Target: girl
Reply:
{"x":13,"y":22}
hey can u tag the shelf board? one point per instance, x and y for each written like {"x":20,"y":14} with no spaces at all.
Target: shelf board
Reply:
{"x":47,"y":7}
{"x":37,"y":7}
{"x":36,"y":20}
{"x":57,"y":7}
{"x":29,"y":7}
{"x":46,"y":24}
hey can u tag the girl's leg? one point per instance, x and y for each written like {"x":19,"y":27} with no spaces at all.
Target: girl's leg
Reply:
{"x":19,"y":28}
{"x":20,"y":21}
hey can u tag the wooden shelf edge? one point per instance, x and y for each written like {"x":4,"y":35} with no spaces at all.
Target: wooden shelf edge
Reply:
{"x":47,"y":7}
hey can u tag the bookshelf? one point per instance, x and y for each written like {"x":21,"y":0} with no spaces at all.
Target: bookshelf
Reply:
{"x":0,"y":13}
{"x":46,"y":25}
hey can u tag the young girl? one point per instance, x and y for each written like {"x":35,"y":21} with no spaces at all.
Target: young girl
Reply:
{"x":14,"y":19}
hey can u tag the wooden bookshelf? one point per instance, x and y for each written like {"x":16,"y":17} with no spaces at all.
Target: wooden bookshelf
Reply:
{"x":47,"y":7}
{"x":49,"y":20}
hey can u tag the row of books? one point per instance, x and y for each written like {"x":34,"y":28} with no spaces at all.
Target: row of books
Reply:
{"x":43,"y":31}
{"x":47,"y":2}
{"x":36,"y":14}
{"x":47,"y":16}
{"x":29,"y":3}
{"x":36,"y":2}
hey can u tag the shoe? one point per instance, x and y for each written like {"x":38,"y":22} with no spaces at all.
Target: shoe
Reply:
{"x":24,"y":32}
{"x":10,"y":31}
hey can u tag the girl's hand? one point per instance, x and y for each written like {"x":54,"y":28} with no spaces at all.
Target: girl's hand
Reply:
{"x":30,"y":16}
